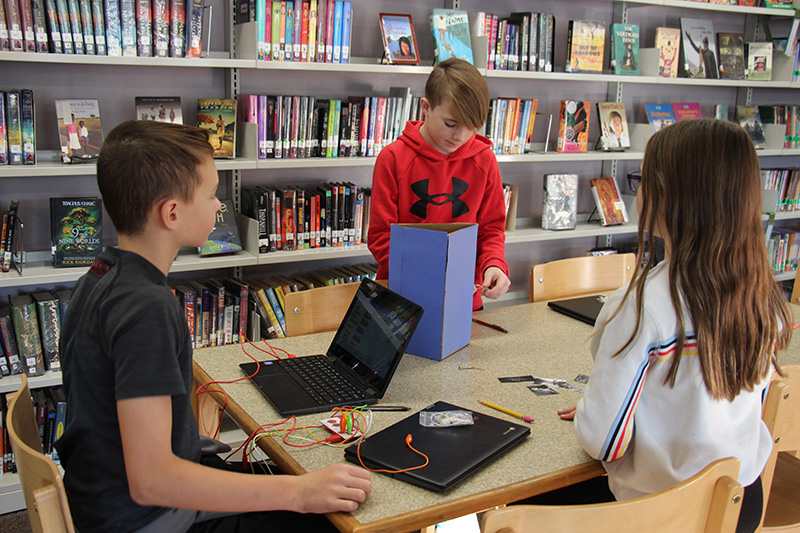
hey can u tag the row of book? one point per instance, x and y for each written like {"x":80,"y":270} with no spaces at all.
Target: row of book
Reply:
{"x":50,"y":410}
{"x":316,"y":31}
{"x":788,"y":115}
{"x":306,"y":126}
{"x":783,"y":249}
{"x":509,"y":125}
{"x":221,"y":312}
{"x":747,"y":116}
{"x":560,"y":201}
{"x":519,"y":41}
{"x":17,"y":128}
{"x":330,"y":215}
{"x":786,"y":183}
{"x":144,"y":28}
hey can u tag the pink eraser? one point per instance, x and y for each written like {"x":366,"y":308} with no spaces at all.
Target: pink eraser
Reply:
{"x":527,"y":418}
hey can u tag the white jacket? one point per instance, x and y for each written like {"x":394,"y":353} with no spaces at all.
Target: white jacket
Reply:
{"x":651,"y":436}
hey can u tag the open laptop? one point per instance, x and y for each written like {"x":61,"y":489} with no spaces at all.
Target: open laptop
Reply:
{"x":453,"y":452}
{"x":359,"y":364}
{"x":585,"y":308}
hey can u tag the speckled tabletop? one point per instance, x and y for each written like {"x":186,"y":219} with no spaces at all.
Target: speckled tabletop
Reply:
{"x":540,"y":342}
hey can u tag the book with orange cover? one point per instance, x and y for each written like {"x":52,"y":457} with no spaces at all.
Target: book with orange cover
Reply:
{"x":609,"y":202}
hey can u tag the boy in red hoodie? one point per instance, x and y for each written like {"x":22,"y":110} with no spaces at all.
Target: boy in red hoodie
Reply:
{"x":440,"y":171}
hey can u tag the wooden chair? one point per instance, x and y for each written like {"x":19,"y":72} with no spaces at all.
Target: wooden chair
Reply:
{"x":580,"y":276}
{"x":781,"y":476}
{"x":708,"y":502}
{"x":45,"y":496}
{"x":318,"y":310}
{"x":796,"y":289}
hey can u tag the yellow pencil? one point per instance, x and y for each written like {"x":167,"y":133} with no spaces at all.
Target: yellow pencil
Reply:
{"x":526,"y":418}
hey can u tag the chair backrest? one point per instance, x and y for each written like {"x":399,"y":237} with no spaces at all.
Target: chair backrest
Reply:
{"x":45,"y":496}
{"x":781,"y":414}
{"x":580,"y":276}
{"x":796,"y":289}
{"x":708,"y":502}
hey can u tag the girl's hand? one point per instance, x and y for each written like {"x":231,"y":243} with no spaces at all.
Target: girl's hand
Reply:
{"x":567,"y":414}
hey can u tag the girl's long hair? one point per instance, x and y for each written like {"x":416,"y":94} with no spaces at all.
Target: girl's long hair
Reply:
{"x":701,"y":190}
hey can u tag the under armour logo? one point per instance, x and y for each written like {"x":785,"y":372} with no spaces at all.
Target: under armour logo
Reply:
{"x":420,"y":207}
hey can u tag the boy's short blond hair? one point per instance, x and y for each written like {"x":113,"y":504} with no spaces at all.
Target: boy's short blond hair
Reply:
{"x":459,"y":83}
{"x":142,"y":163}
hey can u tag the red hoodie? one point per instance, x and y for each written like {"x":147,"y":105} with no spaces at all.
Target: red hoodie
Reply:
{"x":414,"y":183}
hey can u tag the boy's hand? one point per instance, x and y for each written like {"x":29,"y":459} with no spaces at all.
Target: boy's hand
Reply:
{"x":338,"y":487}
{"x":568,"y":413}
{"x":495,"y":283}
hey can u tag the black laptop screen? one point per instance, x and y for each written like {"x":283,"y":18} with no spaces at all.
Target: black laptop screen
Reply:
{"x":375,"y":332}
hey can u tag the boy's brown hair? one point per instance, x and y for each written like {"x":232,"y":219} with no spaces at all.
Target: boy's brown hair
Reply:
{"x":143,"y":162}
{"x":459,"y":83}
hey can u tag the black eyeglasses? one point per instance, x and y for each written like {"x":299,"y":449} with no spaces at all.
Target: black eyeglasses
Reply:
{"x":634,"y":180}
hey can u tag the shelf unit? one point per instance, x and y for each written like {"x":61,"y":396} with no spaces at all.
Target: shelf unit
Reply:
{"x":244,"y":74}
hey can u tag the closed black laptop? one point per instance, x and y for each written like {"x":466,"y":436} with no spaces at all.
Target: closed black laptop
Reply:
{"x":453,"y":452}
{"x":584,"y":309}
{"x":359,"y":364}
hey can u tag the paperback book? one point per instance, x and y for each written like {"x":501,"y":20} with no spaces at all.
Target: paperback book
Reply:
{"x":79,"y":130}
{"x":560,"y":198}
{"x":159,"y":108}
{"x":450,"y":28}
{"x":668,"y":42}
{"x":76,"y":231}
{"x":759,"y":61}
{"x":659,"y":115}
{"x":218,"y":116}
{"x":585,"y":44}
{"x":573,"y":129}
{"x":699,"y":48}
{"x":731,"y":56}
{"x":625,"y":49}
{"x":750,"y":119}
{"x":613,"y":126}
{"x":224,"y":238}
{"x":686,"y":110}
{"x":609,"y":203}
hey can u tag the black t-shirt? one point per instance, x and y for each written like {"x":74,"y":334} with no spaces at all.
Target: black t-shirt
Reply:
{"x":124,"y":336}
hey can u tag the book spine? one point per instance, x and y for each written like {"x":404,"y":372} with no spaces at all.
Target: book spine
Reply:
{"x":60,"y":426}
{"x":3,"y":146}
{"x":277,"y":36}
{"x":5,"y":42}
{"x":40,"y":27}
{"x":322,"y":19}
{"x":14,"y":124}
{"x":347,"y":28}
{"x":380,"y":121}
{"x":99,"y":24}
{"x":295,"y":125}
{"x":27,"y":125}
{"x":113,"y":36}
{"x":288,"y":51}
{"x":272,"y":319}
{"x":297,"y":30}
{"x":266,"y":24}
{"x":177,"y":28}
{"x":194,"y":28}
{"x":312,"y":30}
{"x":276,"y":307}
{"x":10,"y":344}
{"x":329,"y":30}
{"x":28,"y":31}
{"x":50,"y":330}
{"x":62,"y":15}
{"x":244,"y":15}
{"x":127,"y":13}
{"x":161,"y":35}
{"x":144,"y":28}
{"x":28,"y":340}
{"x":14,"y":23}
{"x":87,"y":26}
{"x":189,"y":307}
{"x":5,"y":369}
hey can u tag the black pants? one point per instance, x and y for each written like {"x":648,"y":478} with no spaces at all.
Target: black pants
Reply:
{"x":596,"y":491}
{"x":261,"y":522}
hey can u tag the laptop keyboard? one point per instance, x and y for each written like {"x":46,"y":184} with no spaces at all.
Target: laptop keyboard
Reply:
{"x":321,"y":381}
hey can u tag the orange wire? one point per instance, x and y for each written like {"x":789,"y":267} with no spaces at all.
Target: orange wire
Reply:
{"x":380,"y":471}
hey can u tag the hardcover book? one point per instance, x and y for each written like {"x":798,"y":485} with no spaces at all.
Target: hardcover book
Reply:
{"x":14,"y":23}
{"x":573,"y":129}
{"x":76,"y":231}
{"x":686,"y":110}
{"x":759,"y":61}
{"x":127,"y":17}
{"x":27,"y":124}
{"x":79,"y":130}
{"x":750,"y":119}
{"x":613,"y":126}
{"x":177,"y":28}
{"x":48,"y":310}
{"x":53,"y":29}
{"x":26,"y":328}
{"x":609,"y":203}
{"x":159,"y":108}
{"x":450,"y":28}
{"x":721,"y":112}
{"x":3,"y":132}
{"x":625,"y":49}
{"x":144,"y":28}
{"x":194,"y":28}
{"x":161,"y":37}
{"x":224,"y":238}
{"x":218,"y":116}
{"x":98,"y":16}
{"x":14,"y":127}
{"x":699,"y":48}
{"x":659,"y":115}
{"x":9,"y":341}
{"x":560,"y":199}
{"x":668,"y":42}
{"x":113,"y":28}
{"x":585,"y":44}
{"x":731,"y":56}
{"x":74,"y":11}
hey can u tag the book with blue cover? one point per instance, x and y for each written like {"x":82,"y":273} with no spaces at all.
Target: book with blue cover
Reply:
{"x":450,"y":28}
{"x":659,"y":115}
{"x":224,"y":238}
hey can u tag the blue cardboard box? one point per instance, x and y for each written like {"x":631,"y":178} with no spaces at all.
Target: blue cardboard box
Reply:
{"x":433,"y":265}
